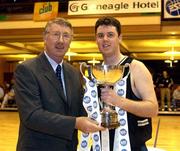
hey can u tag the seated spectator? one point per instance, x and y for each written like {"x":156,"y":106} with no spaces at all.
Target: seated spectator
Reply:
{"x":176,"y":97}
{"x":9,"y":97}
{"x":9,"y":100}
{"x":1,"y":94}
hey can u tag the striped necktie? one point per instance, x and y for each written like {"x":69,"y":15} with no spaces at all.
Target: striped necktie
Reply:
{"x":58,"y":74}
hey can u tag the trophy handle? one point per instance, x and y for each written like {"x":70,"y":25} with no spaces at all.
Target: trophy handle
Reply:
{"x":89,"y":70}
{"x":81,"y":66}
{"x":126,"y":67}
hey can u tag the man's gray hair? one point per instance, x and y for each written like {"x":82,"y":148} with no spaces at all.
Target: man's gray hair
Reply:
{"x":59,"y":21}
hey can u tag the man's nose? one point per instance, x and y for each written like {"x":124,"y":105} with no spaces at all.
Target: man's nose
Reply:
{"x":60,"y":38}
{"x":105,"y":37}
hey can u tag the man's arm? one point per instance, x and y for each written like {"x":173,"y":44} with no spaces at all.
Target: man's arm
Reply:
{"x":142,"y":86}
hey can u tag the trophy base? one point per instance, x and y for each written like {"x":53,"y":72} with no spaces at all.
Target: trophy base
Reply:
{"x":110,"y":125}
{"x":109,"y":119}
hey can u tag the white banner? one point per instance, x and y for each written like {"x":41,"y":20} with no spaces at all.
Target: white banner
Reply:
{"x":112,"y":7}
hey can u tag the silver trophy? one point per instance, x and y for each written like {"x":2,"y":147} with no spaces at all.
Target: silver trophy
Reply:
{"x":106,"y":76}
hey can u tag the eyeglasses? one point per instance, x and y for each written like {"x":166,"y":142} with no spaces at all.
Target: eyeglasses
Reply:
{"x":57,"y":35}
{"x":109,"y":35}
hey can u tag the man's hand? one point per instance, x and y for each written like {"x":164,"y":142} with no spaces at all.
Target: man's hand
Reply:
{"x":87,"y":125}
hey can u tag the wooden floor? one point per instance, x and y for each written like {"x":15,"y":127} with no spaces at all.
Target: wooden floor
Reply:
{"x":9,"y":122}
{"x":168,"y":136}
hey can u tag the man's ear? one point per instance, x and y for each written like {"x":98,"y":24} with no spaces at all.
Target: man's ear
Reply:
{"x":44,"y":37}
{"x":120,"y":37}
{"x":95,"y":38}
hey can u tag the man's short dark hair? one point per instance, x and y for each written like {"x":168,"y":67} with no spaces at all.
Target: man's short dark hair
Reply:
{"x":108,"y":21}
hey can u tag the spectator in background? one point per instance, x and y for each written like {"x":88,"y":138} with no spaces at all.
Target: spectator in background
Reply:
{"x":1,"y":93}
{"x":176,"y":97}
{"x":8,"y":100}
{"x":165,"y":83}
{"x":9,"y":97}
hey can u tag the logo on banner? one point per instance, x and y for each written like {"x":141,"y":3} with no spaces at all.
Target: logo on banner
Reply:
{"x":173,"y":7}
{"x":44,"y":11}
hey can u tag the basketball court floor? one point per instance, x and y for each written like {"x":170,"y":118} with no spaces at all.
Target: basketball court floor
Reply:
{"x":167,"y":139}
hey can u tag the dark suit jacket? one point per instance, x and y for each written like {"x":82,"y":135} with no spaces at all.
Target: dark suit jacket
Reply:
{"x":47,"y":118}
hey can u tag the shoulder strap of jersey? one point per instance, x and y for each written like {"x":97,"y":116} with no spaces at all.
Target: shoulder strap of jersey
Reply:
{"x":127,"y":60}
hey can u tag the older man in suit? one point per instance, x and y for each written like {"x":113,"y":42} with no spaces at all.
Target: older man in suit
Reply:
{"x":50,"y":107}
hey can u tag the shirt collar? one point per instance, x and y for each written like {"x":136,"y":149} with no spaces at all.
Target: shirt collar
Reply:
{"x":52,"y":62}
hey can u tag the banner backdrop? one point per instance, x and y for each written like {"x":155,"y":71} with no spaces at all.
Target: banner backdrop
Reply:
{"x":113,"y":7}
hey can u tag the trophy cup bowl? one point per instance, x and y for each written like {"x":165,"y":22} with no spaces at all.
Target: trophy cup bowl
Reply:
{"x":107,"y":76}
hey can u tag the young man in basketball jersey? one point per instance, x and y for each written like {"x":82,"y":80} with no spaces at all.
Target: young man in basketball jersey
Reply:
{"x":139,"y":102}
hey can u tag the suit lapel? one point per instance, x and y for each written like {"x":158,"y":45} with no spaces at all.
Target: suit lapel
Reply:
{"x":67,"y":80}
{"x":51,"y":76}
